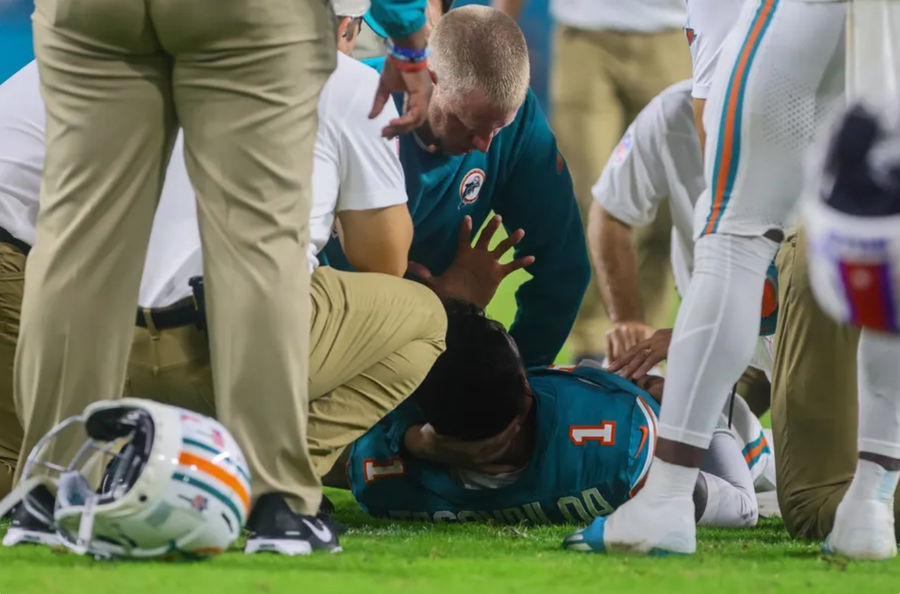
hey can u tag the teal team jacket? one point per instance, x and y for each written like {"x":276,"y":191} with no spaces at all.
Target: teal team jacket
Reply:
{"x":524,"y":178}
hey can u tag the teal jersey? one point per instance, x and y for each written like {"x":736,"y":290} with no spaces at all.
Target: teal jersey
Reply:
{"x":398,"y":18}
{"x":524,"y":178}
{"x":594,"y":441}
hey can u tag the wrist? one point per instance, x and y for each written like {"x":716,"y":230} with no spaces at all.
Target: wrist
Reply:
{"x":415,"y":441}
{"x":404,"y":66}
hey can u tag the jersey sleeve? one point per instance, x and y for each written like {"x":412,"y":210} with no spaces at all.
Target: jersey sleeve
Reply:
{"x":399,"y":18}
{"x":370,"y":172}
{"x":537,"y":196}
{"x":634,"y":182}
{"x":708,"y":23}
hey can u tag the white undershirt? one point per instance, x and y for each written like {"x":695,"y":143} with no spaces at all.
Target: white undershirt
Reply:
{"x":353,"y":169}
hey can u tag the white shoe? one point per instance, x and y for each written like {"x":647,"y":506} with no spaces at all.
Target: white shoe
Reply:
{"x":863,"y":529}
{"x":641,"y":526}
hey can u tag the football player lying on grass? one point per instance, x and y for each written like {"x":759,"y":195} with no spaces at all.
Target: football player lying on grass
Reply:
{"x":484,"y":439}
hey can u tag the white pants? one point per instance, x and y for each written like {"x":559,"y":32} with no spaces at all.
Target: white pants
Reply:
{"x":780,"y":75}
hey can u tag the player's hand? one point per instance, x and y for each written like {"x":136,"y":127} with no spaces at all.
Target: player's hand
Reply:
{"x":624,"y":335}
{"x":644,"y":356}
{"x":652,"y":384}
{"x":416,"y":85}
{"x":424,"y":442}
{"x":476,"y":272}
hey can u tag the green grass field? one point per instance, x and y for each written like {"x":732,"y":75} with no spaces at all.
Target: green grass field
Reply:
{"x":382,"y":556}
{"x":388,"y":557}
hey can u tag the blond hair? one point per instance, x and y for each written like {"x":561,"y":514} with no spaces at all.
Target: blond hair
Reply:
{"x":477,"y":47}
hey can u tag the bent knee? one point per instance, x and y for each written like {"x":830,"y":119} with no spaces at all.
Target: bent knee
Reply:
{"x":432,"y":315}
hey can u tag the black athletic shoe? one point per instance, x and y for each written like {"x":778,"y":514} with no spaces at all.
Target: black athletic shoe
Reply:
{"x":274,"y":528}
{"x":26,"y":528}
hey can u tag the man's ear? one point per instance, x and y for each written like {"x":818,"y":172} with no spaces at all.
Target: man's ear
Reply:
{"x":343,"y":24}
{"x":433,"y":76}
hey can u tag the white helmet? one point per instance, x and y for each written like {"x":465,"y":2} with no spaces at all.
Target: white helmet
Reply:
{"x":176,"y":482}
{"x":853,"y":225}
{"x":350,"y":8}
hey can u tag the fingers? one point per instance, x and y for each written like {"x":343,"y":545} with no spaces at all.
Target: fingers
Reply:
{"x":419,"y":270}
{"x":652,"y":360}
{"x":464,"y":239}
{"x":408,"y":122}
{"x":513,"y":240}
{"x":615,"y":346}
{"x":382,"y":95}
{"x":523,"y":262}
{"x":484,"y":240}
{"x":637,"y":350}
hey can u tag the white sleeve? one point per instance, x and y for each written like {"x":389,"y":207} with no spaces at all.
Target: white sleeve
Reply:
{"x":708,"y":24}
{"x":370,"y":172}
{"x":634,"y":181}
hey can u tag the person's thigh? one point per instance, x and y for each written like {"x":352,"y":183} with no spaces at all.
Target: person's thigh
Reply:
{"x":374,"y":337}
{"x":360,"y":318}
{"x":12,"y":281}
{"x":779,"y":77}
{"x":814,"y":402}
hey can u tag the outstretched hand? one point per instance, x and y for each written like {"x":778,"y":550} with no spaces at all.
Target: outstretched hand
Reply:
{"x":476,"y":271}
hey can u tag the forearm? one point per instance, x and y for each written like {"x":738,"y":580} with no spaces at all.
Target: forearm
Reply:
{"x":415,"y":40}
{"x":615,"y":265}
{"x":547,"y":306}
{"x":377,"y":240}
{"x":511,"y":7}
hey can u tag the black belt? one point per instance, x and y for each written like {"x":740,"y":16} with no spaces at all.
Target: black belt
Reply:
{"x":182,"y":313}
{"x":7,"y":237}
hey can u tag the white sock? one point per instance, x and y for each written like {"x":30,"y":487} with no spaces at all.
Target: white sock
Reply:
{"x":715,"y":333}
{"x":670,"y":481}
{"x":873,"y":481}
{"x":878,"y":363}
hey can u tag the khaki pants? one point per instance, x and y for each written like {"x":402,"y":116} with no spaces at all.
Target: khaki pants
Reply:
{"x":374,"y":338}
{"x":600,"y":80}
{"x":243,"y":79}
{"x":814,"y":402}
{"x":12,"y":281}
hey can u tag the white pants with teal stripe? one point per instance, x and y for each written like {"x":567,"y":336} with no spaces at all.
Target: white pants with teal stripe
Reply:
{"x":779,"y":78}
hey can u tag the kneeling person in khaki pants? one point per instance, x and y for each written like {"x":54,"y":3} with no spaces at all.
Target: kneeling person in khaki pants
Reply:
{"x":373,"y":336}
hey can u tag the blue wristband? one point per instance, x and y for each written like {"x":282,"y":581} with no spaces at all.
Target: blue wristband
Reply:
{"x":408,"y":55}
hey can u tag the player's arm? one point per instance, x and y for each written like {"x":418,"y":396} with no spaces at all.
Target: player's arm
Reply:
{"x":377,"y":240}
{"x":511,"y":7}
{"x":615,"y":265}
{"x":538,"y":198}
{"x":376,"y":228}
{"x":404,"y":22}
{"x":627,"y":195}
